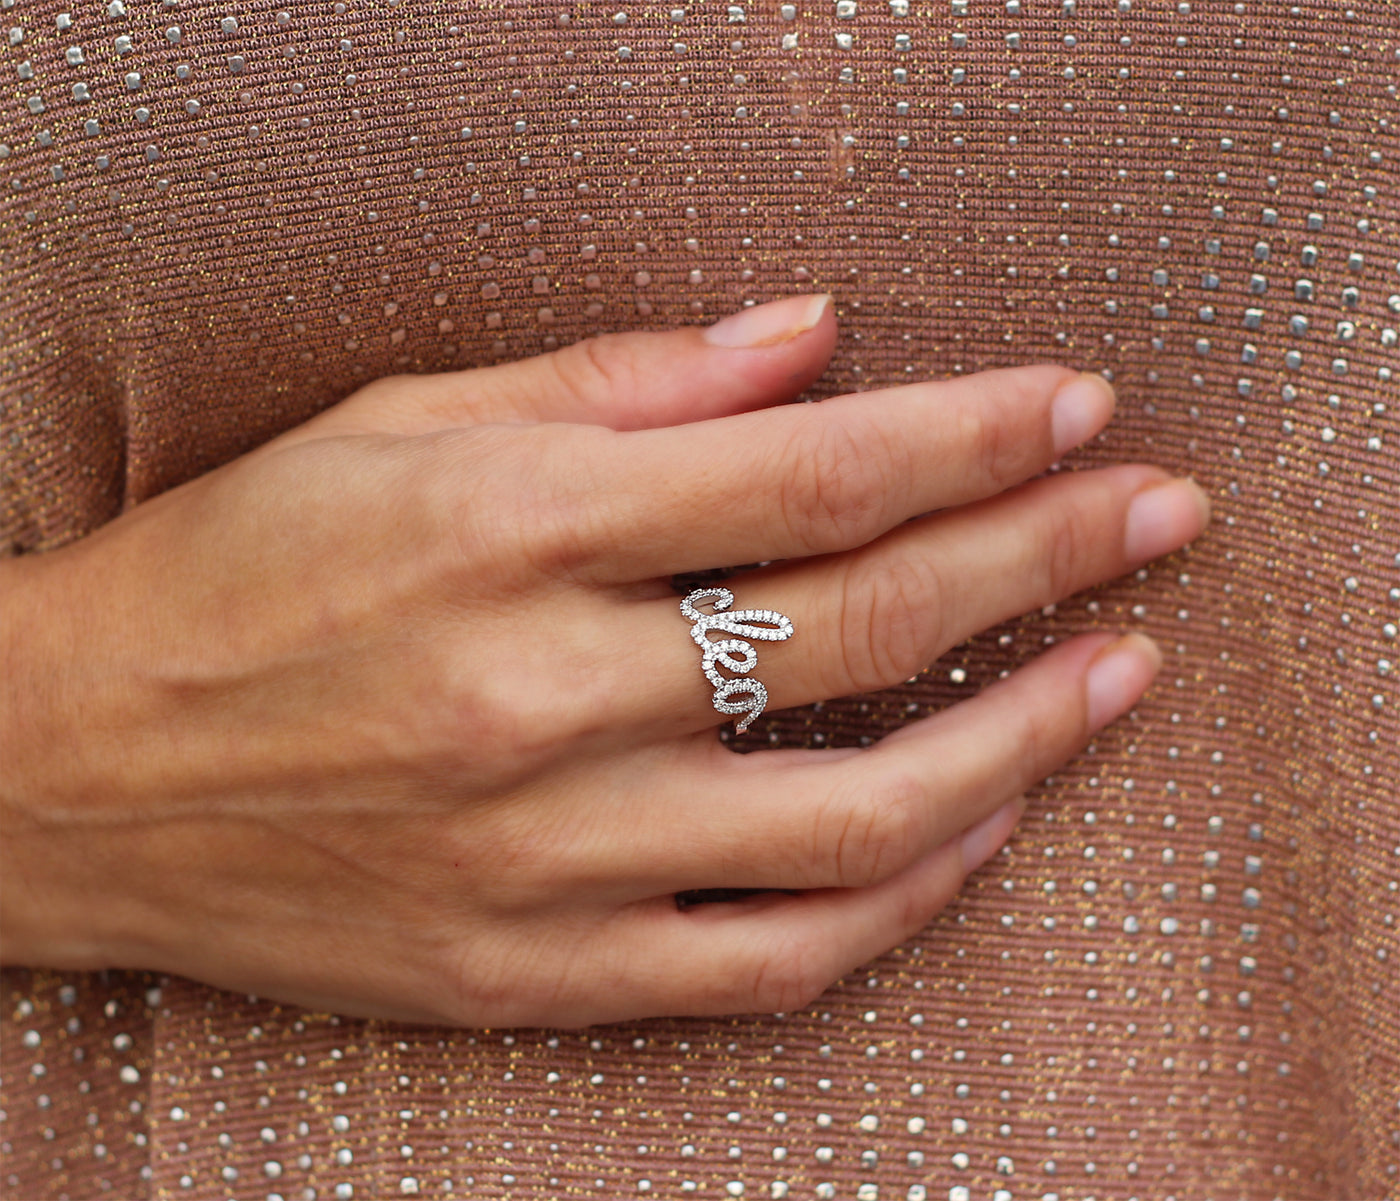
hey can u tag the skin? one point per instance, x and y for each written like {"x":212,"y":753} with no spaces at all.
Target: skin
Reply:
{"x":398,"y":716}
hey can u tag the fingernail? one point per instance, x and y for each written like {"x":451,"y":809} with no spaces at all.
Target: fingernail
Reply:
{"x":987,"y":837}
{"x":1080,"y":409}
{"x":1118,"y":675}
{"x":769,"y":324}
{"x":1164,"y":517}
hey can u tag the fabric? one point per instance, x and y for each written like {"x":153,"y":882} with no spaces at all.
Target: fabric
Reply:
{"x":1180,"y":977}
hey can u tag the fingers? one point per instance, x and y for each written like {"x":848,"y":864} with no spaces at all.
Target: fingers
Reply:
{"x":872,"y":618}
{"x":880,"y":840}
{"x":775,"y":953}
{"x":808,"y":479}
{"x":880,"y":615}
{"x":757,"y":356}
{"x":851,"y":819}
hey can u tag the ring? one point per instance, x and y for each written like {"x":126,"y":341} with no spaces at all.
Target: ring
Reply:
{"x":733,"y":654}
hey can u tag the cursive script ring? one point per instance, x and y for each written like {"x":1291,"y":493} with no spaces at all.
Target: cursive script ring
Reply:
{"x":736,"y":653}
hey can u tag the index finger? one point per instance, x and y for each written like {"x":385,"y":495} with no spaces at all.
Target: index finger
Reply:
{"x":810,"y":479}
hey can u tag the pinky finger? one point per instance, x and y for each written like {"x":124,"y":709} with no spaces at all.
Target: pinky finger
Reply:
{"x":778,"y":952}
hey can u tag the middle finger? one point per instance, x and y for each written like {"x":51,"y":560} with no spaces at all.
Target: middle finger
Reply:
{"x":799,"y":480}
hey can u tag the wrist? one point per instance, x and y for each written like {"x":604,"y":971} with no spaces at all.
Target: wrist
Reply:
{"x":54,"y":905}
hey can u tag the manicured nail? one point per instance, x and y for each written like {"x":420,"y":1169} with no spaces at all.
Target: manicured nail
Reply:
{"x":1164,"y":517}
{"x":1118,"y":675}
{"x":1080,"y":409}
{"x":769,"y":324}
{"x":987,"y":837}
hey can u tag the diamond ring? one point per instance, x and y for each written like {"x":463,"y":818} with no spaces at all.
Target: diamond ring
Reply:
{"x":735,"y":654}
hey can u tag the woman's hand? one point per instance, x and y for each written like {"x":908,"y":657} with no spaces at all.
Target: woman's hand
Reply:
{"x":398,"y":715}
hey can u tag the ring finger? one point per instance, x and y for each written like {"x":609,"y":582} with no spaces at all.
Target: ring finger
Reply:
{"x":871,"y":618}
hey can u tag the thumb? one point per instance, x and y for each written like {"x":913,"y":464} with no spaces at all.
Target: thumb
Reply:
{"x":636,"y":379}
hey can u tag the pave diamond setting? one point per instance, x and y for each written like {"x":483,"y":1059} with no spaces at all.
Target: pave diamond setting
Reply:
{"x":735,"y":654}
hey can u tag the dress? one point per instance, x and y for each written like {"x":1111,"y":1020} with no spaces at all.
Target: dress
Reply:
{"x":1180,"y":978}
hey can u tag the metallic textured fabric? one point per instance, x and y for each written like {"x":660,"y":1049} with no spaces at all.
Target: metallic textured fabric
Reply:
{"x":1180,"y":978}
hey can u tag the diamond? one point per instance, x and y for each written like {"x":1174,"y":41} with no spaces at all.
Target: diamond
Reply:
{"x":735,"y":654}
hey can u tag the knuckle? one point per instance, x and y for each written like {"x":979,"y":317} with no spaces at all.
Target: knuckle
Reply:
{"x":491,"y":982}
{"x":834,"y":483}
{"x":532,"y":513}
{"x":790,"y":977}
{"x":498,"y":729}
{"x":914,"y":912}
{"x":1068,"y":535}
{"x":595,"y":369}
{"x":869,"y":837}
{"x":992,"y":441}
{"x":476,"y":518}
{"x":891,"y":621}
{"x":494,"y":729}
{"x":1002,"y":427}
{"x":564,"y":527}
{"x":1040,"y":742}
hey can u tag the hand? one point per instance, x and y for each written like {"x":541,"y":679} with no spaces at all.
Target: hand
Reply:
{"x":398,"y":714}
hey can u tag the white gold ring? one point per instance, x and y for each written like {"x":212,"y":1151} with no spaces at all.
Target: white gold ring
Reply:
{"x":734,"y":654}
